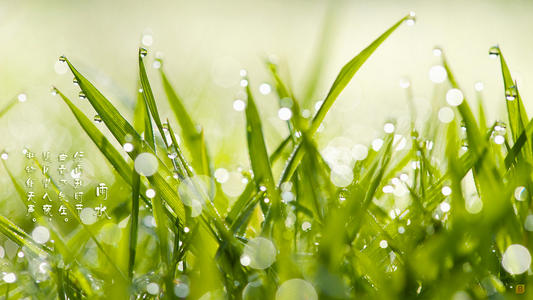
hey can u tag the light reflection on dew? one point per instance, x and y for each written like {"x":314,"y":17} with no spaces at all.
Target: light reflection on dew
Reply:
{"x":221,"y":175}
{"x":520,"y":193}
{"x":22,"y":97}
{"x":40,"y":234}
{"x":10,"y":277}
{"x":239,"y":105}
{"x":285,"y":113}
{"x":454,"y":97}
{"x":259,"y":253}
{"x":4,"y":155}
{"x":128,"y":147}
{"x":516,"y":259}
{"x":152,"y":288}
{"x":306,"y":226}
{"x":296,"y":289}
{"x":437,"y":74}
{"x":265,"y":88}
{"x":150,"y":193}
{"x":146,"y":164}
{"x":383,"y":244}
{"x":446,"y":190}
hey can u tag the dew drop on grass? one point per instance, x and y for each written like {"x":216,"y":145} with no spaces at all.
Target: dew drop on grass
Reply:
{"x":389,"y":128}
{"x":4,"y":155}
{"x":494,"y":51}
{"x":446,"y":115}
{"x":479,"y":86}
{"x":499,"y":139}
{"x":437,"y":51}
{"x":511,"y":93}
{"x":152,"y":288}
{"x":306,"y":226}
{"x":265,"y":88}
{"x":62,"y":58}
{"x":446,"y":190}
{"x":22,"y":97}
{"x":53,"y":91}
{"x":239,"y":105}
{"x":146,"y":164}
{"x":445,"y":207}
{"x":156,"y":64}
{"x":40,"y":234}
{"x":516,"y":259}
{"x":383,"y":244}
{"x":10,"y":277}
{"x":296,"y":289}
{"x":82,"y":95}
{"x":150,"y":193}
{"x":454,"y":97}
{"x":377,"y":144}
{"x":437,"y":74}
{"x":261,"y":253}
{"x":97,"y":119}
{"x":411,"y":19}
{"x":221,"y":175}
{"x":285,"y":113}
{"x":128,"y":147}
{"x":520,"y":193}
{"x":143,"y":52}
{"x":75,"y":81}
{"x":181,"y":290}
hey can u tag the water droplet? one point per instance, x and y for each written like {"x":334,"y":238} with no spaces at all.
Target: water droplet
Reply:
{"x":150,"y":193}
{"x":479,"y":86}
{"x":22,"y":97}
{"x":259,"y":253}
{"x":445,"y":207}
{"x":40,"y":234}
{"x":437,"y":51}
{"x":244,"y":83}
{"x":53,"y":91}
{"x":377,"y":144}
{"x":156,"y":64}
{"x":245,"y":260}
{"x":4,"y":155}
{"x":239,"y":105}
{"x":520,"y":193}
{"x":511,"y":93}
{"x":147,"y":39}
{"x":473,"y":205}
{"x":62,"y":58}
{"x":306,"y":226}
{"x":97,"y":119}
{"x":172,"y":155}
{"x":446,"y":115}
{"x":499,"y":139}
{"x":143,"y":52}
{"x":243,"y":72}
{"x":221,"y":175}
{"x":152,"y":288}
{"x":75,"y":81}
{"x":516,"y":259}
{"x":383,"y":244}
{"x":285,"y":113}
{"x":128,"y":147}
{"x":411,"y":19}
{"x":82,"y":95}
{"x":10,"y":277}
{"x":265,"y":88}
{"x":146,"y":164}
{"x":494,"y":51}
{"x":181,"y":290}
{"x":389,"y":128}
{"x":454,"y":97}
{"x":296,"y":289}
{"x":446,"y":190}
{"x":437,"y":74}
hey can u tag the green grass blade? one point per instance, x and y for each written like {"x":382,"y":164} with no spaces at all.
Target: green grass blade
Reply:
{"x":258,"y":155}
{"x":134,"y":221}
{"x":192,"y":138}
{"x":346,"y":74}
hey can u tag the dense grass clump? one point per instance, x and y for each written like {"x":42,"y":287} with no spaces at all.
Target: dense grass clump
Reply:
{"x":437,"y":212}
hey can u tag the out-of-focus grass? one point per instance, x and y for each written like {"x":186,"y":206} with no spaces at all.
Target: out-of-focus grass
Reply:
{"x":435,"y":212}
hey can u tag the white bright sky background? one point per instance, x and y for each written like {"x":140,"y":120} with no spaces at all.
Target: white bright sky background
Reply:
{"x":205,"y":43}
